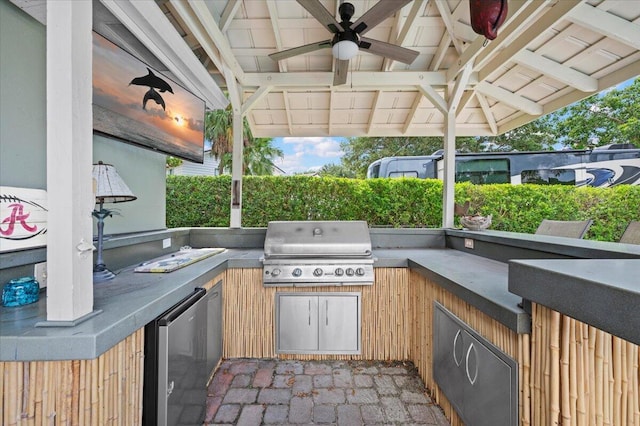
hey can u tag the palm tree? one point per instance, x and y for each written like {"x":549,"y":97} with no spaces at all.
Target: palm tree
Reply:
{"x":258,"y":156}
{"x":258,"y":153}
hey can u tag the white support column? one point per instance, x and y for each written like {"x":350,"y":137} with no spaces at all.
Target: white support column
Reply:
{"x":236,"y":172}
{"x":69,"y":157}
{"x":448,"y":190}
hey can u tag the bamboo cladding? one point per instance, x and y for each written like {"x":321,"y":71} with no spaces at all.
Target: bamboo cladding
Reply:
{"x":581,"y":375}
{"x":105,"y":390}
{"x":249,"y":315}
{"x":423,"y":292}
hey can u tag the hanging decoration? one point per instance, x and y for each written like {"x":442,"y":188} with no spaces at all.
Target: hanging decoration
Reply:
{"x":487,"y":16}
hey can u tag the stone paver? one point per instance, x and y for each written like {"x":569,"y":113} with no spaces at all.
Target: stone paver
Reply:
{"x":269,"y":391}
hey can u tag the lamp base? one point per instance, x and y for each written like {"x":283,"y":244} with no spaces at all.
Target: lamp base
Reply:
{"x":102,"y":274}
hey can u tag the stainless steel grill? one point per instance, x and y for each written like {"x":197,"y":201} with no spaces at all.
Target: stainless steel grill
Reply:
{"x":315,"y":253}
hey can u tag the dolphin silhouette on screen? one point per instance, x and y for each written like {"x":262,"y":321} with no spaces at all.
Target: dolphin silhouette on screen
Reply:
{"x":153,"y":82}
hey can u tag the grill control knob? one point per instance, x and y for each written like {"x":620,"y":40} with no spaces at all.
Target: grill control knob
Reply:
{"x":350,"y":272}
{"x":317,"y":272}
{"x":360,"y":272}
{"x":339,"y":272}
{"x":275,"y":272}
{"x":296,"y":272}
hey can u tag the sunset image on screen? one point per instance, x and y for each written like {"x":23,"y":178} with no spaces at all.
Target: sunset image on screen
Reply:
{"x":137,"y":103}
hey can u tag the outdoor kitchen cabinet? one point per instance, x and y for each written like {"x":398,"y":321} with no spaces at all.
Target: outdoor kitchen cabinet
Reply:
{"x":477,"y":378}
{"x":320,"y":323}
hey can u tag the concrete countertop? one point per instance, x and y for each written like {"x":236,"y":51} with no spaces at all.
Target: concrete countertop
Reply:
{"x":131,"y":300}
{"x":128,"y":303}
{"x":604,"y":293}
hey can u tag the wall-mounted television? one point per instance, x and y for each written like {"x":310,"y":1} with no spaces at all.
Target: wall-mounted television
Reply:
{"x":137,"y":104}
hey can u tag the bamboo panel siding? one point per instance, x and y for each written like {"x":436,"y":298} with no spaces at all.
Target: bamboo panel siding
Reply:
{"x":581,"y":375}
{"x":102,"y":391}
{"x":423,"y":292}
{"x":249,"y":312}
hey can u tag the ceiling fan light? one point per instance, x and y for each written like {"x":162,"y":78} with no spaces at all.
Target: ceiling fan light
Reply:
{"x":345,"y":50}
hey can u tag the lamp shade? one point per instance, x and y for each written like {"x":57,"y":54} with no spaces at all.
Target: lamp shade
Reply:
{"x":345,"y":50}
{"x":110,"y":188}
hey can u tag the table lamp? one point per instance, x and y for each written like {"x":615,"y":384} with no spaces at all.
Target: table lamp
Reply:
{"x":110,"y":188}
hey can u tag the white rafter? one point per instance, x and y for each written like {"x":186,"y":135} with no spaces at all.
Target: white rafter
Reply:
{"x":228,"y":13}
{"x":273,"y":16}
{"x":374,"y":108}
{"x":217,"y":37}
{"x":445,"y":14}
{"x":557,"y":71}
{"x":406,"y":26}
{"x":257,"y":96}
{"x":512,"y":99}
{"x":607,"y":24}
{"x":486,"y":109}
{"x":522,"y":39}
{"x":412,"y":113}
{"x":434,"y":97}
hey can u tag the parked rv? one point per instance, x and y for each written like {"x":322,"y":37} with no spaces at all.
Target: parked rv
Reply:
{"x":600,"y":167}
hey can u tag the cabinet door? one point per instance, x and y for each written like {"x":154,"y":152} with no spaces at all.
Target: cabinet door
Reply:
{"x":489,"y":386}
{"x":339,"y":325}
{"x":297,"y":323}
{"x":448,"y":357}
{"x":214,"y":326}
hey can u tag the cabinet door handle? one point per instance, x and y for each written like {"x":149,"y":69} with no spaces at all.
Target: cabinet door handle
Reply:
{"x":475,"y":375}
{"x":309,"y":311}
{"x":455,"y":343}
{"x":326,"y":312}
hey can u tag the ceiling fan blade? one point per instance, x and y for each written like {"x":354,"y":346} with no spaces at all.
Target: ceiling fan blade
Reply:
{"x":340,"y":75}
{"x":312,"y":47}
{"x":388,"y":50}
{"x":378,"y":13}
{"x":318,"y":11}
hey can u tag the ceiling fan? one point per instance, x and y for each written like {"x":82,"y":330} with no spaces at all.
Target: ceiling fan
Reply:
{"x":348,"y":36}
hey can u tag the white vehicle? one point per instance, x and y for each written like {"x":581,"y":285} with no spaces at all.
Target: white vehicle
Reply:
{"x":600,"y":167}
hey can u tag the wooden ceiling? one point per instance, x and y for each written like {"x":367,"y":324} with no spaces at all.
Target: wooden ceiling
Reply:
{"x":548,"y":54}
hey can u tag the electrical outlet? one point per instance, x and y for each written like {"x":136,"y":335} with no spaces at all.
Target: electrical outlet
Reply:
{"x":40,"y":272}
{"x":468,"y":243}
{"x":166,"y":243}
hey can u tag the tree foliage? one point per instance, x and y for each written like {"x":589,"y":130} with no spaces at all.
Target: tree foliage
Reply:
{"x":602,"y":119}
{"x":258,"y":154}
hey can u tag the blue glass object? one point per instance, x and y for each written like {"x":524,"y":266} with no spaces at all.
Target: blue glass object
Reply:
{"x":20,"y":291}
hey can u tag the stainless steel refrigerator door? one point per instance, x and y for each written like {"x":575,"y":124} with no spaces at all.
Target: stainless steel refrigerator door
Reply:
{"x":182,"y":367}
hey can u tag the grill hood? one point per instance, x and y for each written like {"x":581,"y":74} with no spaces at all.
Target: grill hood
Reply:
{"x":295,"y":239}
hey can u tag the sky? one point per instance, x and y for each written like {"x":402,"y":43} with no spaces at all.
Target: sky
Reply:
{"x":303,"y":155}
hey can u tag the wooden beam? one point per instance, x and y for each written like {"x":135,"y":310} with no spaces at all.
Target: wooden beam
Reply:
{"x":445,"y":14}
{"x":522,"y":39}
{"x":228,"y":14}
{"x":434,"y":97}
{"x":406,"y":27}
{"x":557,"y":71}
{"x":488,"y":115}
{"x":69,"y":159}
{"x":412,"y":113}
{"x":257,"y":96}
{"x":509,"y":98}
{"x":607,"y":24}
{"x":218,"y":39}
{"x":275,"y":26}
{"x":359,"y":79}
{"x":374,"y":108}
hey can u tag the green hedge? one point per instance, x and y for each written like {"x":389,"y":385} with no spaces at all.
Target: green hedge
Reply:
{"x":204,"y":201}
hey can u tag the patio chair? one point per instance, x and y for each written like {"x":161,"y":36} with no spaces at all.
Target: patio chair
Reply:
{"x":631,"y":235}
{"x":564,"y":228}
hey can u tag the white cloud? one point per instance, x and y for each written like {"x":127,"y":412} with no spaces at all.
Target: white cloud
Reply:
{"x":324,"y":147}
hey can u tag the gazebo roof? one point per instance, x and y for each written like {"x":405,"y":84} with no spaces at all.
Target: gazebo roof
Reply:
{"x":547,"y":55}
